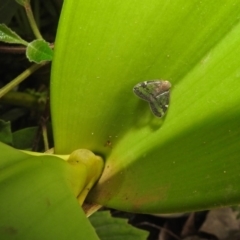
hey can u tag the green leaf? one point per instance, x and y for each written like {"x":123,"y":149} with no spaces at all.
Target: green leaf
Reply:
{"x":189,"y":159}
{"x":39,"y":51}
{"x":5,"y":132}
{"x":31,"y":138}
{"x":24,"y":138}
{"x":37,"y":198}
{"x":108,"y":227}
{"x":9,"y":36}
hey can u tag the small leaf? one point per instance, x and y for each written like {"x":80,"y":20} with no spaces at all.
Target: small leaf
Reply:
{"x":39,"y":51}
{"x":5,"y":132}
{"x":9,"y":36}
{"x":108,"y":227}
{"x":23,"y":139}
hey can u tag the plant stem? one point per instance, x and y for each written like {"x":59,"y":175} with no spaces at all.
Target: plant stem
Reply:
{"x":32,"y":21}
{"x":20,"y":78}
{"x":45,"y":138}
{"x":22,"y":99}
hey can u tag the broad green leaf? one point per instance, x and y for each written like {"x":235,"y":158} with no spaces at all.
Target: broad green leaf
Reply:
{"x":108,"y":227}
{"x":10,"y":156}
{"x":189,"y":159}
{"x":37,"y":200}
{"x":9,"y":36}
{"x":39,"y":51}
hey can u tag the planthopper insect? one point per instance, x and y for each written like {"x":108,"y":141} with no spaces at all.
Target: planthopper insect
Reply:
{"x":156,"y":93}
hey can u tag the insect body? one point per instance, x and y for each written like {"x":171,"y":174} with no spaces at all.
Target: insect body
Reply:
{"x":156,"y":93}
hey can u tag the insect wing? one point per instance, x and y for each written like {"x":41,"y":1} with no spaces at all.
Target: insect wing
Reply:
{"x":156,"y":87}
{"x":143,"y":91}
{"x":150,"y":89}
{"x":160,"y":104}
